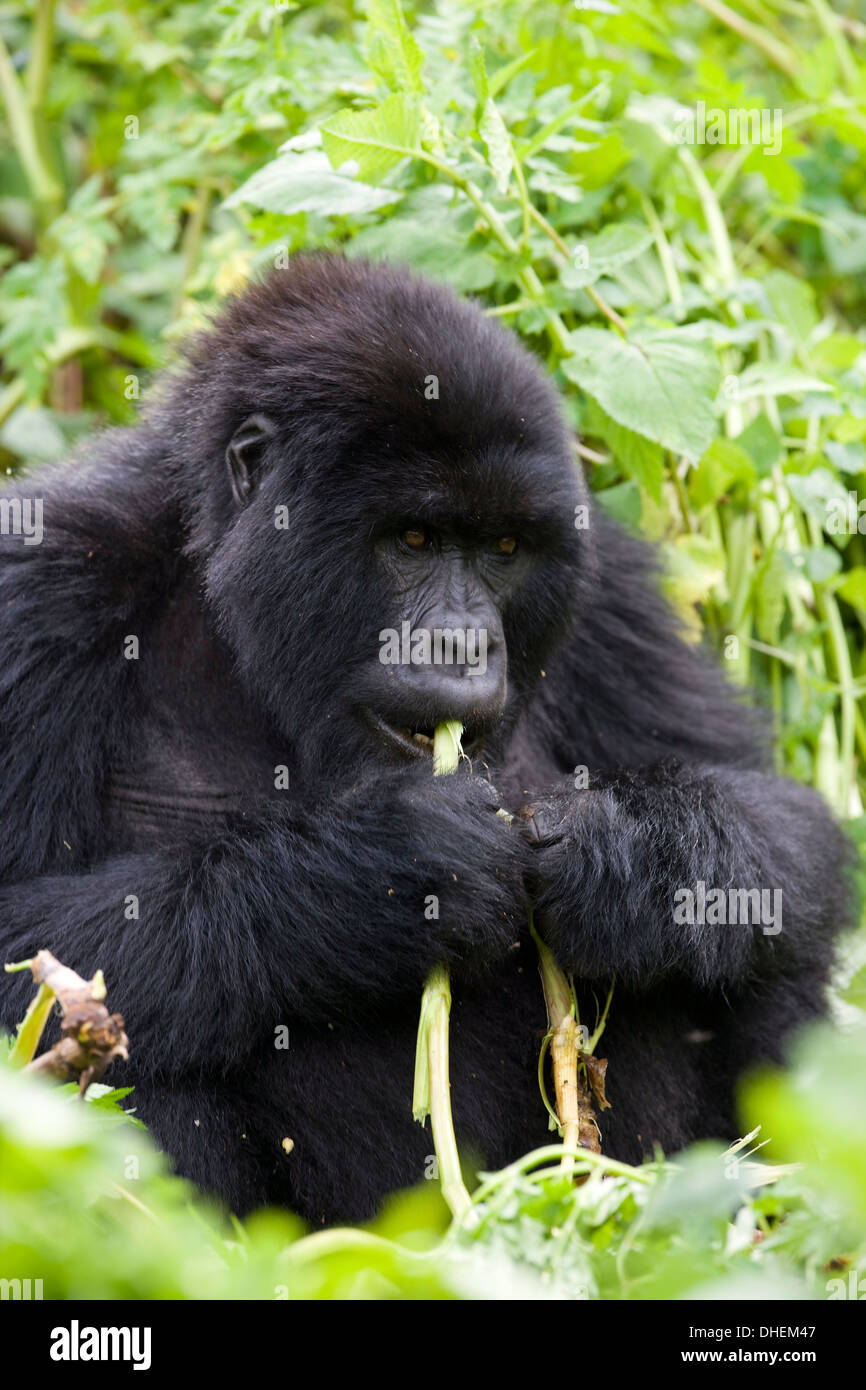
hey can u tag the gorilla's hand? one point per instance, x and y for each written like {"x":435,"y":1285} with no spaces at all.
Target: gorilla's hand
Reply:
{"x":555,"y":826}
{"x":616,"y":867}
{"x":453,"y":869}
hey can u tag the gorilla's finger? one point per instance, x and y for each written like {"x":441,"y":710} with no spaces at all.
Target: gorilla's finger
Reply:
{"x":539,"y":824}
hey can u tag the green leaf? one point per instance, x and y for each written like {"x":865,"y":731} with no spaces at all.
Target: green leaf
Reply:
{"x":695,"y":569}
{"x":478,"y":69}
{"x":845,"y":241}
{"x":32,"y":433}
{"x":392,"y":50}
{"x":376,"y":139}
{"x":656,"y":384}
{"x":762,"y":443}
{"x":491,"y":127}
{"x":847,"y":458}
{"x":776,"y":379}
{"x":814,"y":491}
{"x":639,"y":457}
{"x":304,"y":181}
{"x":852,"y":588}
{"x":769,"y":589}
{"x":600,"y":255}
{"x":819,"y":563}
{"x":793,"y":303}
{"x":724,"y":463}
{"x":497,"y":143}
{"x":432,"y":244}
{"x":855,"y":990}
{"x":622,"y":502}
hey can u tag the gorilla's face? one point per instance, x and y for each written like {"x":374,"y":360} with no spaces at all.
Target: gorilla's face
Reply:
{"x":403,"y":592}
{"x":453,"y":586}
{"x":444,"y":655}
{"x":396,"y":544}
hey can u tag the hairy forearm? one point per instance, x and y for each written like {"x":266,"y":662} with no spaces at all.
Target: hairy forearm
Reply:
{"x":715,"y":875}
{"x":279,"y":918}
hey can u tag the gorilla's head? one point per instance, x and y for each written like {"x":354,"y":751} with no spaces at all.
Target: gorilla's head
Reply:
{"x":382,"y":500}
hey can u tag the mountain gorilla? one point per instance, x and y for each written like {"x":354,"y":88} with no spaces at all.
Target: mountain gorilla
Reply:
{"x":216,"y":785}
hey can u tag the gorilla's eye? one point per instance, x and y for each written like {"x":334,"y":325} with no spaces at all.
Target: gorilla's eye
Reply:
{"x":506,"y":545}
{"x":415,"y":537}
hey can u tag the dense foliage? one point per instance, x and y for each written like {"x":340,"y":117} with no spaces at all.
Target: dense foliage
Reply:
{"x":667,"y":202}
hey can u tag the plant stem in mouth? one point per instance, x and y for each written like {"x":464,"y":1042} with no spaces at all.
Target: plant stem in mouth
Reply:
{"x":432,"y":1091}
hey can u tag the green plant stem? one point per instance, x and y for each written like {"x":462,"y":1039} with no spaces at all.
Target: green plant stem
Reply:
{"x":715,"y":221}
{"x":539,"y":1157}
{"x":40,"y":54}
{"x":591,"y":293}
{"x":526,"y":278}
{"x":665,"y":255}
{"x":829,"y":22}
{"x":47,"y":192}
{"x":32,"y":1027}
{"x":564,"y":1042}
{"x":191,"y":242}
{"x":778,"y":53}
{"x":432,"y":1090}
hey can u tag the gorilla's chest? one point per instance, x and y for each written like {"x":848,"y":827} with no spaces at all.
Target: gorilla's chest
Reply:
{"x":195,"y":752}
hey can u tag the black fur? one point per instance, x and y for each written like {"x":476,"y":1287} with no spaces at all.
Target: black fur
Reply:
{"x":306,"y":907}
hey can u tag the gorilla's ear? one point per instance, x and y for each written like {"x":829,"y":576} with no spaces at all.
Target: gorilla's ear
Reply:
{"x":244,"y":455}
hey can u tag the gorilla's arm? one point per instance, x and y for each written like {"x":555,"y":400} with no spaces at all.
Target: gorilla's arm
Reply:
{"x":281,"y":919}
{"x":611,"y":859}
{"x":671,"y":791}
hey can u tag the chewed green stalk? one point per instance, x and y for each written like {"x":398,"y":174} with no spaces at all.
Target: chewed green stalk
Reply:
{"x":446,"y":747}
{"x":432,"y":1091}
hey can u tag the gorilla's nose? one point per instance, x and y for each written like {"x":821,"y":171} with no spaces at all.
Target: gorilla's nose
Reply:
{"x":459,"y":671}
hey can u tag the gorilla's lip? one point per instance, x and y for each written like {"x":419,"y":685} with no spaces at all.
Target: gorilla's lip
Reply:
{"x":413,"y":742}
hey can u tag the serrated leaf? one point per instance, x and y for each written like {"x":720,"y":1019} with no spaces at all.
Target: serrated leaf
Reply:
{"x":497,"y":143}
{"x":392,"y":50}
{"x":656,"y":384}
{"x":375,"y":140}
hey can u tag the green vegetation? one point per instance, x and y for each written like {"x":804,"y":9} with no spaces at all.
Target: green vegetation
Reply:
{"x":87,"y":1206}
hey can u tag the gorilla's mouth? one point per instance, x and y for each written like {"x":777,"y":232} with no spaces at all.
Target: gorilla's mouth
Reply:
{"x":415,"y":741}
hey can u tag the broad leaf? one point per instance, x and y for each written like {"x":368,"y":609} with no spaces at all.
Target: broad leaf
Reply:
{"x":655,"y":383}
{"x":375,"y":140}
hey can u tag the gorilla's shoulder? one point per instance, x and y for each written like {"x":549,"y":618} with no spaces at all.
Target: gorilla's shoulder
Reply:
{"x":78,"y":540}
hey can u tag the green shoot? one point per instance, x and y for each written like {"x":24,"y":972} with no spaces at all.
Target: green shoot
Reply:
{"x":432,"y":1091}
